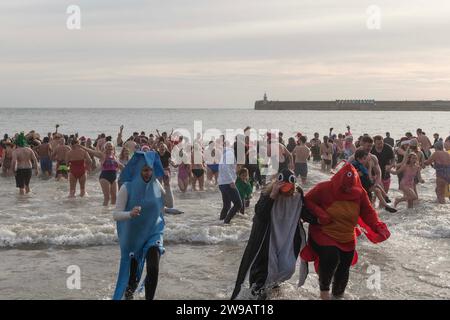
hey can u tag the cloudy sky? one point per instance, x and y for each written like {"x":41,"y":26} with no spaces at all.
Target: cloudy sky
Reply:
{"x":217,"y":53}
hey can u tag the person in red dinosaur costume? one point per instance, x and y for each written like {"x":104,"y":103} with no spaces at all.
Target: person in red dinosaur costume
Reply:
{"x":340,"y":205}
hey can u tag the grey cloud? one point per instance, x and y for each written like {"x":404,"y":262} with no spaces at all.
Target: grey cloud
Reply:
{"x":163,"y":50}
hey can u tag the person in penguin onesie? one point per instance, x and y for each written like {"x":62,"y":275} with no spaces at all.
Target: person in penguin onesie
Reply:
{"x":140,"y":224}
{"x":339,"y":205}
{"x":276,"y":237}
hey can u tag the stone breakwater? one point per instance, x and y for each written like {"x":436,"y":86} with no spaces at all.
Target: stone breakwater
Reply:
{"x":361,"y":105}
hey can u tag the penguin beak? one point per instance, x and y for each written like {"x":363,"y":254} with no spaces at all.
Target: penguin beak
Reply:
{"x":287,"y":187}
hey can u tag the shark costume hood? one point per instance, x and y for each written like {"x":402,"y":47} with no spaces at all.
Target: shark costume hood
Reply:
{"x":138,"y":234}
{"x":276,"y":238}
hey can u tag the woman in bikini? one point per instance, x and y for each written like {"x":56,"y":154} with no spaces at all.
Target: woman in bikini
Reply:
{"x":79,"y":161}
{"x":108,"y":176}
{"x":410,"y":168}
{"x":198,"y":168}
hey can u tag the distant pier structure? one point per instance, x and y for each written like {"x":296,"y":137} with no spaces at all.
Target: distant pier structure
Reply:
{"x":355,"y":104}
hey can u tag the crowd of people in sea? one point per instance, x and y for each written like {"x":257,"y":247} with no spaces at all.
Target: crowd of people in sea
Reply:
{"x":73,"y":158}
{"x":360,"y":171}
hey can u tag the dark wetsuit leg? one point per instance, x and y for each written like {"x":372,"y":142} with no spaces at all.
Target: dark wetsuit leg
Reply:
{"x":258,"y":177}
{"x":333,"y":263}
{"x":132,"y":282}
{"x":233,"y":196}
{"x":328,"y":262}
{"x":151,"y":281}
{"x":260,"y":268}
{"x":226,"y":202}
{"x":242,"y":210}
{"x":342,"y":273}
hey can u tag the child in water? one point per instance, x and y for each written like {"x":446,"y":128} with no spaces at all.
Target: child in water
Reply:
{"x":244,"y":187}
{"x":359,"y":163}
{"x":410,"y":169}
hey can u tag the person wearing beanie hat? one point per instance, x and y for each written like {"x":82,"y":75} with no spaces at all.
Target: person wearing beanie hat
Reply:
{"x":23,"y":160}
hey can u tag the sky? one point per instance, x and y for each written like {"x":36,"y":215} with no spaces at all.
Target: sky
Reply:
{"x":221,"y":54}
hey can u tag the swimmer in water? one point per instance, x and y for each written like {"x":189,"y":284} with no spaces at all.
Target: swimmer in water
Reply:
{"x":410,"y":168}
{"x":301,"y":155}
{"x":59,"y":155}
{"x":441,"y":161}
{"x":108,"y":177}
{"x":23,"y":160}
{"x":78,"y":160}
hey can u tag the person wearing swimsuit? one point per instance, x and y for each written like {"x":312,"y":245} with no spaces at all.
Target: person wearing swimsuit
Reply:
{"x":108,"y":176}
{"x":315,"y":148}
{"x":183,"y":176}
{"x":409,"y":169}
{"x":77,"y":159}
{"x":441,"y":162}
{"x":7,"y":159}
{"x":349,"y":147}
{"x":326,"y":152}
{"x":166,"y":160}
{"x":109,"y":169}
{"x":23,"y":160}
{"x":181,"y":161}
{"x":198,"y":169}
{"x":212,"y":158}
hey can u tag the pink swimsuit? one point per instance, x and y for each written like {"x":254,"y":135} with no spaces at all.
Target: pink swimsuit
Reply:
{"x":183,"y":172}
{"x":408,"y":178}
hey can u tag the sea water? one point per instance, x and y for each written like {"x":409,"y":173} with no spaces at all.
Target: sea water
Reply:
{"x":43,"y":234}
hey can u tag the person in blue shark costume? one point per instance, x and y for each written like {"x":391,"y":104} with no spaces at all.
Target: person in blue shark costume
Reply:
{"x":140,"y":224}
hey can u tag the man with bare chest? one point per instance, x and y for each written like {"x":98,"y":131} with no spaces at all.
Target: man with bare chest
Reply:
{"x":59,"y":155}
{"x":44,"y":152}
{"x":301,"y":155}
{"x":23,"y":160}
